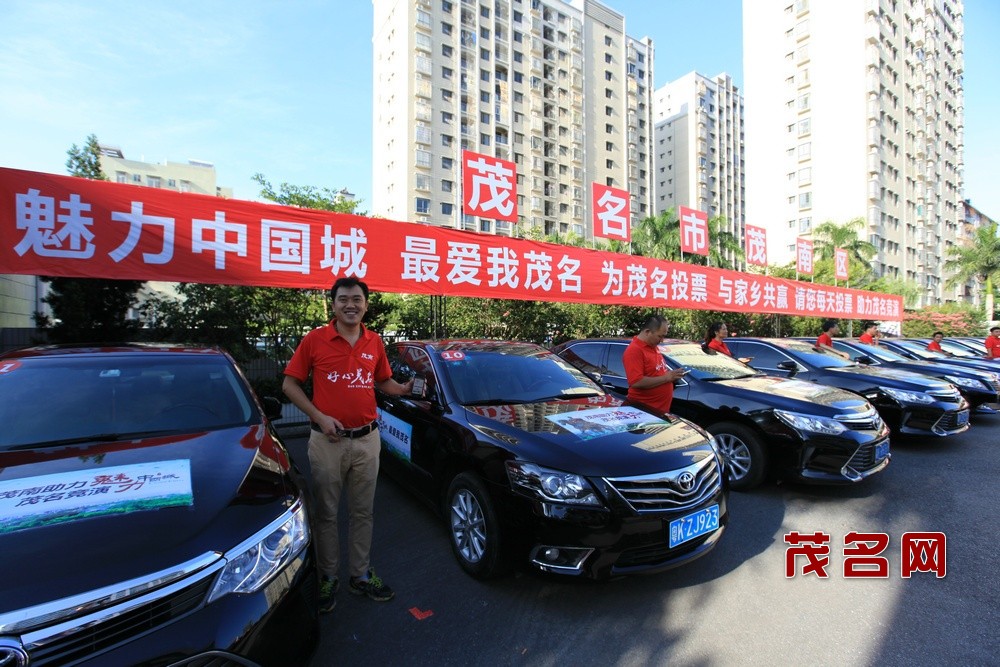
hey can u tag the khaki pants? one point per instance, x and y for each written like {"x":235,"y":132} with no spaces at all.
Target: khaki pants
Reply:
{"x":351,"y":466}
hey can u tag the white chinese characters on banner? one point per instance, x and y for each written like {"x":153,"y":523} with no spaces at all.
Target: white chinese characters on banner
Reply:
{"x":756,"y":246}
{"x":611,"y":213}
{"x":804,"y":256}
{"x":489,"y":187}
{"x":36,"y":215}
{"x":694,"y":230}
{"x":840,"y":264}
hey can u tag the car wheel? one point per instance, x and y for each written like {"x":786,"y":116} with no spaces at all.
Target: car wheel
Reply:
{"x":743,"y":453}
{"x":473,"y":527}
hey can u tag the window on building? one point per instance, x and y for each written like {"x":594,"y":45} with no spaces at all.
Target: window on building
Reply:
{"x":608,"y":76}
{"x":607,"y":40}
{"x":154,"y":181}
{"x":423,"y":205}
{"x":121,"y":177}
{"x":423,"y":182}
{"x":805,"y":200}
{"x":446,"y":185}
{"x":447,"y":163}
{"x":447,"y":208}
{"x":608,"y":58}
{"x":447,"y":72}
{"x":445,"y":28}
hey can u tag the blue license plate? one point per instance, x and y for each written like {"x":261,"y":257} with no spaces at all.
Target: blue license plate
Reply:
{"x":691,"y":526}
{"x":881,"y":450}
{"x":962,"y":418}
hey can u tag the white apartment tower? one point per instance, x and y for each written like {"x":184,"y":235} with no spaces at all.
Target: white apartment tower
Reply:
{"x":556,"y":87}
{"x":698,"y":148}
{"x":854,"y":109}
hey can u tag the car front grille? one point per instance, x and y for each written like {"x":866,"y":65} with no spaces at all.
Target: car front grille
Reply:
{"x":864,"y":458}
{"x":667,"y":491}
{"x":91,"y":638}
{"x":869,"y":420}
{"x":950,"y":395}
{"x":949,"y":422}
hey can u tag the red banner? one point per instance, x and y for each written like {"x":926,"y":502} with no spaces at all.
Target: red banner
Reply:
{"x":63,"y":226}
{"x":694,"y":230}
{"x":611,"y":213}
{"x":489,"y":187}
{"x":840,"y":264}
{"x":756,"y":245}
{"x":804,"y":256}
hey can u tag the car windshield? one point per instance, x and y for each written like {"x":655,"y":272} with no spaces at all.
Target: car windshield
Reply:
{"x":815,"y":356}
{"x":705,"y":366}
{"x":67,"y":399}
{"x":880,"y":353}
{"x":919,"y":350}
{"x":521,"y":374}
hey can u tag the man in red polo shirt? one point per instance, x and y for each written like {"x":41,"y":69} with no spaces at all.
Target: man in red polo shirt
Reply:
{"x":993,"y":343}
{"x":347,"y":362}
{"x":825,"y":340}
{"x":650,"y":383}
{"x":935,"y":343}
{"x":868,"y":333}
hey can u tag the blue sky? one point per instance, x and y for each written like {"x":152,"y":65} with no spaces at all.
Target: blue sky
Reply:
{"x":285,"y":88}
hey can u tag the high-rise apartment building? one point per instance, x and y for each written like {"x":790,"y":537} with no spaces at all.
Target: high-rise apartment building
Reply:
{"x":192,"y":176}
{"x":854,"y":110}
{"x":698,"y":148}
{"x":556,"y":87}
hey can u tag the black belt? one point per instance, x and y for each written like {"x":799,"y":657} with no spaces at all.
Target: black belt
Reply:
{"x":352,"y":433}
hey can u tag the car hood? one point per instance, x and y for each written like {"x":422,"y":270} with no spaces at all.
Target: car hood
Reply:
{"x":224,"y":486}
{"x":931,"y":367}
{"x":798,"y":395}
{"x":891,"y":377}
{"x":597,"y":440}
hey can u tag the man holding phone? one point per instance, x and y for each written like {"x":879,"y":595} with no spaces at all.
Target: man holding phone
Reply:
{"x":650,"y":382}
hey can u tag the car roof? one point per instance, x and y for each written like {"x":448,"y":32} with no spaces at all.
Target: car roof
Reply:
{"x":80,"y":351}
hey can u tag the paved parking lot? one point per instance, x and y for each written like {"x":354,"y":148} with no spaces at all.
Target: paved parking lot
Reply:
{"x":733,"y":607}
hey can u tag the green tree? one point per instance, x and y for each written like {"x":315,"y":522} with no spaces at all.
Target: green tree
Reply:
{"x":979,"y":260}
{"x":829,"y":236}
{"x":89,"y":309}
{"x":85,"y":161}
{"x":307,"y":196}
{"x":660,"y":237}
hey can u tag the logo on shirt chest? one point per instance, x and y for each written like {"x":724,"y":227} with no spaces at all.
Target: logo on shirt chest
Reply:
{"x":367,"y":356}
{"x":359,"y":378}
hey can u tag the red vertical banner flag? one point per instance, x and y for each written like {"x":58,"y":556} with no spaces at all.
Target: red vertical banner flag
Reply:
{"x":804,"y":256}
{"x":840,"y":264}
{"x":694,"y":231}
{"x":611,"y":212}
{"x":489,"y":187}
{"x":756,"y":245}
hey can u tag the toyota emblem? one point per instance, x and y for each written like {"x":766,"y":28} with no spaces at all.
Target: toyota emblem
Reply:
{"x":686,"y":481}
{"x":11,"y":653}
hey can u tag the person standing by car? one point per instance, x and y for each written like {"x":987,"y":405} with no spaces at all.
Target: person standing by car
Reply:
{"x":347,"y":362}
{"x":650,"y":382}
{"x":935,"y":343}
{"x":993,"y":343}
{"x":715,"y":339}
{"x":869,"y":334}
{"x":825,"y":339}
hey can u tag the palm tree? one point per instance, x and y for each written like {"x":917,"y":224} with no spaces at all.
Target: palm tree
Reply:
{"x":979,"y":260}
{"x":829,"y":236}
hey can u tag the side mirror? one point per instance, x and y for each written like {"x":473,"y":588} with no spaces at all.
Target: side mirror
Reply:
{"x":789,"y":366}
{"x":272,"y":408}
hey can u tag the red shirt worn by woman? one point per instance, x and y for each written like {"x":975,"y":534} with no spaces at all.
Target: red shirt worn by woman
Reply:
{"x":720,"y":346}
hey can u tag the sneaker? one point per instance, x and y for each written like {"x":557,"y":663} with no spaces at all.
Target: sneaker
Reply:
{"x":373,"y":587}
{"x":327,"y":589}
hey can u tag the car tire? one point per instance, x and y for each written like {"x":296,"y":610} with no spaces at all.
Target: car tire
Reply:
{"x":474,"y":528}
{"x":741,"y":448}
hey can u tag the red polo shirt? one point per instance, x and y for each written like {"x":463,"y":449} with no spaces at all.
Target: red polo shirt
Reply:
{"x":720,"y":346}
{"x":824,"y":339}
{"x":344,"y":377}
{"x":641,"y":360}
{"x":934,"y":346}
{"x":866,"y":338}
{"x":992,"y":347}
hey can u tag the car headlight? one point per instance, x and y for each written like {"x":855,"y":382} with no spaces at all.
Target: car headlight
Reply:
{"x":252,"y":564}
{"x":810,"y":423}
{"x":971,"y":383}
{"x":551,"y":485}
{"x":908,"y":396}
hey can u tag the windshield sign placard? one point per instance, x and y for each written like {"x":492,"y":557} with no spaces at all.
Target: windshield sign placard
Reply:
{"x":595,"y":423}
{"x":33,"y":502}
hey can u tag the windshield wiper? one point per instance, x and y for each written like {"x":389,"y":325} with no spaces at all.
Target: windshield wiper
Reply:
{"x":97,"y":437}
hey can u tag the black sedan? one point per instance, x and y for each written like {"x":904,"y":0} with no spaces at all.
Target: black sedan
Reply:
{"x":908,"y":402}
{"x":148,"y":513}
{"x":912,"y":349}
{"x":530,"y":461}
{"x":977,"y":386}
{"x":798,"y":429}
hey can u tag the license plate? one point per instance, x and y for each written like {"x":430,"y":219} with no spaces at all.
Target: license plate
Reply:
{"x":881,"y":450}
{"x":962,"y":418}
{"x":691,"y":526}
